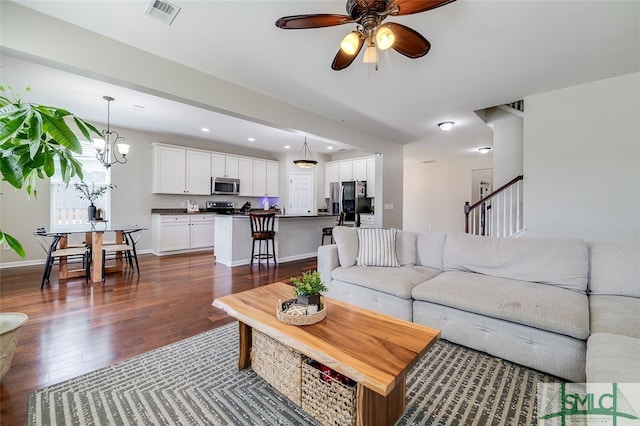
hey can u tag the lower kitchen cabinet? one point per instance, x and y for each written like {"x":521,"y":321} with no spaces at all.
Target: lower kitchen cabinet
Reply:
{"x":181,"y":233}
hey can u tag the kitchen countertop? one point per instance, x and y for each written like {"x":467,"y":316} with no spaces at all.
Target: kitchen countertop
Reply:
{"x":170,"y":211}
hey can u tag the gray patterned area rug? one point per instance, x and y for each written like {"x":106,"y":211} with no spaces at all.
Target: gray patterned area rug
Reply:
{"x":196,"y":382}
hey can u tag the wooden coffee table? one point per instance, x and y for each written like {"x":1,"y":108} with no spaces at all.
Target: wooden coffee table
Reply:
{"x":373,"y":349}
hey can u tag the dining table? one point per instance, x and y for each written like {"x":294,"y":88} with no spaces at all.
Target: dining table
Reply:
{"x":94,"y":238}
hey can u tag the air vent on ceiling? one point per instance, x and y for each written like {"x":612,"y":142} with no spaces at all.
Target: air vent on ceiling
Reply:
{"x":162,"y":11}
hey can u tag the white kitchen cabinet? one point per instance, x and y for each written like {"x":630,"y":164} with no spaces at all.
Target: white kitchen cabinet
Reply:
{"x":198,"y":173}
{"x":360,"y":169}
{"x":259,"y":174}
{"x":245,"y":174}
{"x":178,"y":170}
{"x":331,"y":174}
{"x":182,"y":232}
{"x":345,"y":170}
{"x":367,"y":220}
{"x":273,"y":178}
{"x":168,"y":168}
{"x":371,"y":177}
{"x":201,"y":232}
{"x":223,"y":165}
{"x":265,"y":178}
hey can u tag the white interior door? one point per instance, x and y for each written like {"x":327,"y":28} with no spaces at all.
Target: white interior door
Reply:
{"x":301,"y":194}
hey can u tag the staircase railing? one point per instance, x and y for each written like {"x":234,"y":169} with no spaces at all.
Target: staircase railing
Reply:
{"x":498,"y":214}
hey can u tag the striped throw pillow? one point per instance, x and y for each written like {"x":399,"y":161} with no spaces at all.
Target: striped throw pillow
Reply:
{"x":377,"y":247}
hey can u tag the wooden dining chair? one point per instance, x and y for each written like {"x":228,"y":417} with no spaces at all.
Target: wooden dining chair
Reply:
{"x":76,"y":254}
{"x":126,"y":248}
{"x":262,"y":230}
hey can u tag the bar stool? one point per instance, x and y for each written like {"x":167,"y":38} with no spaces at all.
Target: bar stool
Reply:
{"x":328,"y":232}
{"x":262,"y":230}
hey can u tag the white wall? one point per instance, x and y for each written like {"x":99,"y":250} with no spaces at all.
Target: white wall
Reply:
{"x":507,"y":149}
{"x":435,"y":193}
{"x":582,"y":161}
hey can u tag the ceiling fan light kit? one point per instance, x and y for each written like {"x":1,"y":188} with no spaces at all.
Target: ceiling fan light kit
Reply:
{"x":368,"y":15}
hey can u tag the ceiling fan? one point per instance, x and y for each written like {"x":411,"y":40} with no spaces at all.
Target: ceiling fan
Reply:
{"x":369,"y":15}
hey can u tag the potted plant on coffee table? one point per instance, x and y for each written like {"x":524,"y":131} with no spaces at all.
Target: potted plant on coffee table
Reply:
{"x":308,"y":288}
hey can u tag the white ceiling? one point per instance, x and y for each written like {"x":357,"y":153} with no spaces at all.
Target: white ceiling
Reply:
{"x":484,"y":53}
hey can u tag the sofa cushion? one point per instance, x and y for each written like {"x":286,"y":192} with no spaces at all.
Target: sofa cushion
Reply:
{"x":563,"y":263}
{"x":347,"y":240}
{"x":614,"y":269}
{"x":612,"y":358}
{"x":429,"y":249}
{"x":395,"y":281}
{"x":377,"y":247}
{"x":406,"y":248}
{"x":615,"y":314}
{"x":537,"y":305}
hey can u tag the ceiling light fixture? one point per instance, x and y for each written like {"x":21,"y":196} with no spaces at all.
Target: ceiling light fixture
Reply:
{"x":385,"y":38}
{"x":484,"y":149}
{"x":445,"y":126}
{"x":251,"y":139}
{"x":204,"y":129}
{"x":305,"y":163}
{"x":106,"y":146}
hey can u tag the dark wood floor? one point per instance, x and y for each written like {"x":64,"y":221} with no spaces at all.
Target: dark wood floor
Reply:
{"x":75,"y":328}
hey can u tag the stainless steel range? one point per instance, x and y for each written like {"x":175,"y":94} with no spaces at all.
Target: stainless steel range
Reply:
{"x":221,"y":207}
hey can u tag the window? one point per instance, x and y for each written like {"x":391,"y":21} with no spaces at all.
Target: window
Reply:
{"x":67,"y":208}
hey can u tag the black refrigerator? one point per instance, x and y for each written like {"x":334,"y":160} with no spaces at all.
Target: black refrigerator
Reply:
{"x":354,"y":200}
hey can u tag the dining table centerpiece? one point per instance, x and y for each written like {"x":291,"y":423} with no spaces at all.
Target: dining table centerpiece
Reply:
{"x":91,"y":194}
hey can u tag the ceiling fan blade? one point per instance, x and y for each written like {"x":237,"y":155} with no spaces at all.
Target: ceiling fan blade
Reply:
{"x":407,"y":7}
{"x":343,"y":60}
{"x":299,"y":22}
{"x":408,"y":42}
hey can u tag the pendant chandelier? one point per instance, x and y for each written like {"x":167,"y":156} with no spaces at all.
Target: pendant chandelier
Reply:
{"x":305,"y":163}
{"x":110,"y":142}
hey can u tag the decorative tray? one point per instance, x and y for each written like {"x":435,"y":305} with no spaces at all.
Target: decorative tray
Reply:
{"x":290,"y":312}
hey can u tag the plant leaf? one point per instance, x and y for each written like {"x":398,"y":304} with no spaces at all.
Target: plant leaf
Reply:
{"x":13,"y":243}
{"x":61,"y":133}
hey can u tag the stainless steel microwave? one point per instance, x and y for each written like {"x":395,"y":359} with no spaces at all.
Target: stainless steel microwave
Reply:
{"x":225,"y":186}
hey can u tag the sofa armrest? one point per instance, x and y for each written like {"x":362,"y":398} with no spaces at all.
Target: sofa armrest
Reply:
{"x":327,"y":262}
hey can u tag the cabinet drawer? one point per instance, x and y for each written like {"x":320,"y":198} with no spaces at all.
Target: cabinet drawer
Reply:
{"x":175,"y":219}
{"x":201,"y":218}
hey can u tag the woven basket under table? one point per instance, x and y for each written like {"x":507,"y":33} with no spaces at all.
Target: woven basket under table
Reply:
{"x":277,"y":364}
{"x":328,"y":401}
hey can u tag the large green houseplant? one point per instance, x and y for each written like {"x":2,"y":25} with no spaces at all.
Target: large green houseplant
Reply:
{"x":32,"y":139}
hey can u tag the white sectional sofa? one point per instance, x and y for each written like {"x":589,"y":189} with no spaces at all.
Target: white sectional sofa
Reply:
{"x":524,"y":300}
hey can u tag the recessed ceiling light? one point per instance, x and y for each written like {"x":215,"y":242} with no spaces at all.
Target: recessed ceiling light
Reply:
{"x":204,"y":129}
{"x":251,"y":139}
{"x":287,"y":147}
{"x":329,"y":147}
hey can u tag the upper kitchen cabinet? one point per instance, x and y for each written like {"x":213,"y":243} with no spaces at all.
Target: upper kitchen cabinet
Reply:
{"x":345,"y":170}
{"x":363,"y":169}
{"x":245,"y":174}
{"x":360,"y":169}
{"x":331,"y":174}
{"x":371,"y":177}
{"x":225,"y":166}
{"x":180,"y":171}
{"x":265,"y":178}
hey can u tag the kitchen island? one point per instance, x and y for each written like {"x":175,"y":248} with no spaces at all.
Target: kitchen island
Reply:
{"x":297,"y":237}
